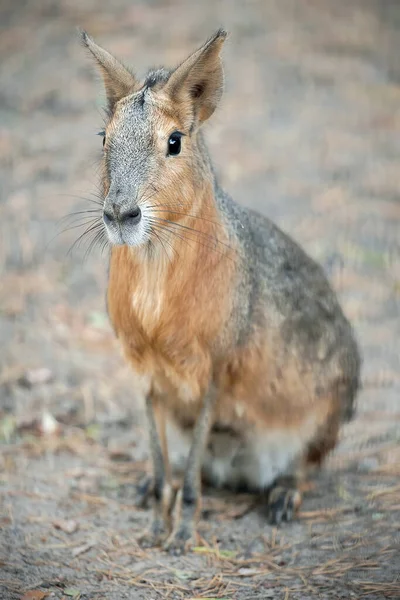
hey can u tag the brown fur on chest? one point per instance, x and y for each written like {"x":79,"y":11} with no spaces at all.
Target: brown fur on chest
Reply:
{"x":168,"y":326}
{"x":169,"y":319}
{"x":166,"y":320}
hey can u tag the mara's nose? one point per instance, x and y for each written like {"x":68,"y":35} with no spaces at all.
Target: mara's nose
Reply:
{"x":130,"y":217}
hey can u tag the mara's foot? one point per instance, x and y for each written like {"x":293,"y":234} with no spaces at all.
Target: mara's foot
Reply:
{"x":183,"y":536}
{"x":283,"y":503}
{"x":155,"y":536}
{"x":181,"y":540}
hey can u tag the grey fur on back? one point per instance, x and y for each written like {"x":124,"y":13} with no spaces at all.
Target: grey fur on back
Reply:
{"x":278,"y":274}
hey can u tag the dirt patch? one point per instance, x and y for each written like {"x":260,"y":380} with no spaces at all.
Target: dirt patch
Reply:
{"x":308,"y":133}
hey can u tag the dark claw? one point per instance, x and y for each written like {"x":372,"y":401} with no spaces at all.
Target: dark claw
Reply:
{"x":276,"y":511}
{"x":282,"y":504}
{"x":290,"y":508}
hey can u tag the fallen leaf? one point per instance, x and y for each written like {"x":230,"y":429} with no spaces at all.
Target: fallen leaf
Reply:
{"x":72,"y":593}
{"x":93,"y":431}
{"x":109,"y":483}
{"x":227,"y":553}
{"x":248,"y":572}
{"x":49,"y":425}
{"x":27,"y":423}
{"x":343,"y":493}
{"x":203,"y":550}
{"x":36,"y":377}
{"x":8,"y":427}
{"x":119,"y":455}
{"x":66,"y":525}
{"x":222,"y":553}
{"x":34,"y":595}
{"x":81,"y":549}
{"x":183,"y":575}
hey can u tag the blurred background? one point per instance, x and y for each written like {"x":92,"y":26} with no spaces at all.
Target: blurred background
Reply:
{"x":308,"y":133}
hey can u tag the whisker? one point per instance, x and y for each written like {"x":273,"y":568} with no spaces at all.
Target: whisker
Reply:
{"x":95,"y":240}
{"x":196,"y":232}
{"x":88,"y":221}
{"x":145,"y":198}
{"x":186,"y":227}
{"x":82,"y":236}
{"x":163,"y":233}
{"x":96,"y":200}
{"x":174,"y":212}
{"x":179,"y":209}
{"x":185,"y":238}
{"x":77,"y":225}
{"x":162,"y":244}
{"x":104,"y":244}
{"x":82,"y":212}
{"x":78,"y":222}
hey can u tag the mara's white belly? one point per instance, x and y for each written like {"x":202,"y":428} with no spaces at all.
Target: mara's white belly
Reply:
{"x":228,"y":461}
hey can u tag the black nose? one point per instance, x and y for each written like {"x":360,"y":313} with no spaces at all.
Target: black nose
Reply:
{"x":131,"y":217}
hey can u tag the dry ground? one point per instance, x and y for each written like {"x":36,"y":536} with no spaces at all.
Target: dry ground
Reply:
{"x":309,"y":133}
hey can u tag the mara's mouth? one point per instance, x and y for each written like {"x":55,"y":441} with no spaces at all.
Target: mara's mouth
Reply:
{"x":127,"y":229}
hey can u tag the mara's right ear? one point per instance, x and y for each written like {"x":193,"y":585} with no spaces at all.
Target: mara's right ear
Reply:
{"x":118,"y":80}
{"x":197,"y":84}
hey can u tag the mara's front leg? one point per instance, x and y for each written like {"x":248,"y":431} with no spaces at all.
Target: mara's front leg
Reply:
{"x":188,"y":501}
{"x":162,"y":477}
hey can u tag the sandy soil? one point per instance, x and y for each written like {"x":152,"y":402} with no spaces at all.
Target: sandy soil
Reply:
{"x":309,"y":133}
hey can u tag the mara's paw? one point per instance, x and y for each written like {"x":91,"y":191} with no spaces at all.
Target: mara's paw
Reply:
{"x":181,"y":540}
{"x":283,"y":503}
{"x":155,"y":536}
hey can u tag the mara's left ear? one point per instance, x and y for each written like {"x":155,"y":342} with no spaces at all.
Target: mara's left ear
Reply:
{"x":199,"y":80}
{"x":118,"y":80}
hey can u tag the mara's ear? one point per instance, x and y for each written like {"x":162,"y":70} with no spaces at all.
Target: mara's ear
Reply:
{"x":199,"y":80}
{"x":118,"y":80}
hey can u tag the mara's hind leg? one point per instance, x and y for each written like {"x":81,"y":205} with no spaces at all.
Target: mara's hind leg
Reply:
{"x":324,"y":442}
{"x":283,"y":499}
{"x":284,"y":496}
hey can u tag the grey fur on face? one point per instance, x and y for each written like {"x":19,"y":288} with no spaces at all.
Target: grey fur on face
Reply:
{"x":131,"y":162}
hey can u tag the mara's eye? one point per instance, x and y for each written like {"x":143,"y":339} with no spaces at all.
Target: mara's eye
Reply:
{"x":103,"y":135}
{"x":174,"y":143}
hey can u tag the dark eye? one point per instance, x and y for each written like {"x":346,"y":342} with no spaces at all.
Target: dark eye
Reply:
{"x":103,"y":135}
{"x":174,"y":143}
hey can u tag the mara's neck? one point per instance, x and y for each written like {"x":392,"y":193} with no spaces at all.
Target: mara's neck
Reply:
{"x":185,"y":237}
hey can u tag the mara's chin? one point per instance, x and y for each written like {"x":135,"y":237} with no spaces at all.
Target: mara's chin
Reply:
{"x":126,"y":237}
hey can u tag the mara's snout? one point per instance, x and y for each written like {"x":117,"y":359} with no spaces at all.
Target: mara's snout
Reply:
{"x":122,"y":225}
{"x":123,"y":217}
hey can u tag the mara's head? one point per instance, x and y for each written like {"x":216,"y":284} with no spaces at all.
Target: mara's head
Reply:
{"x":152,"y":164}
